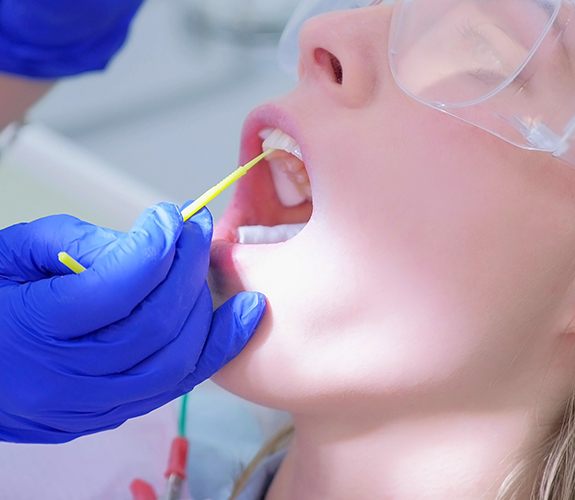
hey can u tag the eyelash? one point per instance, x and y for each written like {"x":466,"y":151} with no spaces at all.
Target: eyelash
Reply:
{"x":520,"y":83}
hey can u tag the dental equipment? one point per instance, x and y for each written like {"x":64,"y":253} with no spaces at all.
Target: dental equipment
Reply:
{"x":176,"y":472}
{"x":220,"y":187}
{"x":71,"y":263}
{"x":191,"y":210}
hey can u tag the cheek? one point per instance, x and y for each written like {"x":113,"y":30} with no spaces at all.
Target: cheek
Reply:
{"x":356,"y":328}
{"x":313,"y":303}
{"x":408,"y":343}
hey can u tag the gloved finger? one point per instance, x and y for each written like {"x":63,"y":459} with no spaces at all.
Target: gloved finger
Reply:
{"x":72,"y":306}
{"x":65,"y":428}
{"x":24,"y":434}
{"x":29,"y":252}
{"x":233,"y":326}
{"x":16,"y":429}
{"x":154,"y":323}
{"x":155,"y":375}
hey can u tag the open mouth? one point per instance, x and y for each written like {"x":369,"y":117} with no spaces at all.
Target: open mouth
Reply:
{"x":273,"y":203}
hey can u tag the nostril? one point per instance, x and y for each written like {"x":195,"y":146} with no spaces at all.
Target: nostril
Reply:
{"x":330,"y":64}
{"x":337,"y":69}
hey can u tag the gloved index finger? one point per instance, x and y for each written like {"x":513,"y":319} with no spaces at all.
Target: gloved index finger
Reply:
{"x":75,"y":305}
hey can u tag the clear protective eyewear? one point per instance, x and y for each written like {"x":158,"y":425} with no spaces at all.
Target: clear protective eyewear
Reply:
{"x":506,"y":66}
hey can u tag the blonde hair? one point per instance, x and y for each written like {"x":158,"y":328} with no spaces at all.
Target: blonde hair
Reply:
{"x":274,"y":445}
{"x":554,"y":462}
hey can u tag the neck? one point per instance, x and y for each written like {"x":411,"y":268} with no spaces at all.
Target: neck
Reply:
{"x":455,"y":455}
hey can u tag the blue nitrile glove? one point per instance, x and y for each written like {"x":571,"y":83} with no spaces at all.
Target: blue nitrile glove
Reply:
{"x":55,"y":38}
{"x":83,"y":353}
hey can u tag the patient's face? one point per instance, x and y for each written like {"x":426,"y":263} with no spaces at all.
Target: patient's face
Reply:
{"x":433,"y":259}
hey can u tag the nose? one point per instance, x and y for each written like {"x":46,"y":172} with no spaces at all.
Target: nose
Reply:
{"x":346,"y":53}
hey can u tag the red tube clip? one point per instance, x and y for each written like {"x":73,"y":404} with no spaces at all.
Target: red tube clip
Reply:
{"x":175,"y":473}
{"x":142,"y":490}
{"x":178,"y":458}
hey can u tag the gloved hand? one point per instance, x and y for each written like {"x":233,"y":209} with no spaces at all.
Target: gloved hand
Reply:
{"x":83,"y":353}
{"x":54,"y":38}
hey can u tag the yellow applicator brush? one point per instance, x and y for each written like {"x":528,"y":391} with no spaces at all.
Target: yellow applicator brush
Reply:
{"x":220,"y":187}
{"x":189,"y":211}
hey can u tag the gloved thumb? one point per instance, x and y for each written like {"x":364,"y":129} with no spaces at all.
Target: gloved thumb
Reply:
{"x":233,"y":326}
{"x":117,"y":281}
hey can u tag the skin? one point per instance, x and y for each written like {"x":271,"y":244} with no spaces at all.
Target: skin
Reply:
{"x":17,"y":95}
{"x":420,"y":327}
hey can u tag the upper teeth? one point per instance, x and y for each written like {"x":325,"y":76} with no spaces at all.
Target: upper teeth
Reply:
{"x":288,"y":171}
{"x":276,"y":139}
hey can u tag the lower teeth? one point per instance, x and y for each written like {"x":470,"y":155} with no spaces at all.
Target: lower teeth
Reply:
{"x":254,"y":235}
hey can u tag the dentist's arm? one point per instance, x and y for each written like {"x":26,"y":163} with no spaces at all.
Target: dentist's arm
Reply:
{"x":48,"y":39}
{"x":17,"y":95}
{"x":43,"y":40}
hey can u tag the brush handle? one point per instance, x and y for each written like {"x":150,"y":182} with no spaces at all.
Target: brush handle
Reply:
{"x":220,"y":187}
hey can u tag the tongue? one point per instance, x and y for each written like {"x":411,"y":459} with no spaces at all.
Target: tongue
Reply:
{"x":257,"y":235}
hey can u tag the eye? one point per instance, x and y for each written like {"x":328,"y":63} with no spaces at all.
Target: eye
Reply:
{"x":486,"y":76}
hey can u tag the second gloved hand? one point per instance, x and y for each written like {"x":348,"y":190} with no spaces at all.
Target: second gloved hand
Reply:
{"x":83,"y":353}
{"x":55,"y":38}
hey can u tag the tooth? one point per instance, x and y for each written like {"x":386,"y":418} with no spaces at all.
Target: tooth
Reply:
{"x":288,"y":192}
{"x":302,"y":178}
{"x":295,"y":166}
{"x":281,"y":141}
{"x":285,"y":164}
{"x":287,"y":168}
{"x":254,"y":235}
